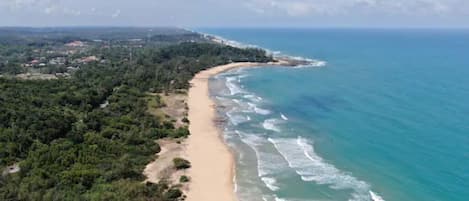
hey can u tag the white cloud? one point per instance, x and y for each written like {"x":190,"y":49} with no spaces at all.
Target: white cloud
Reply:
{"x":49,"y":10}
{"x":298,"y":8}
{"x":116,"y":14}
{"x":69,"y":11}
{"x":236,"y":12}
{"x":48,"y":7}
{"x":18,"y":4}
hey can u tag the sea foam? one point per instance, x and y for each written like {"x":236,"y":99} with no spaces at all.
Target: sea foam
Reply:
{"x":258,"y":110}
{"x":301,"y":157}
{"x":268,"y":164}
{"x":375,"y":197}
{"x":271,"y":183}
{"x":253,"y":98}
{"x":234,"y":88}
{"x":283,"y":116}
{"x":235,"y":118}
{"x":312,"y":63}
{"x":279,"y":199}
{"x":271,"y":124}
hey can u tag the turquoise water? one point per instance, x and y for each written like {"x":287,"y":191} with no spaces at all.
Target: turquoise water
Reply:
{"x":386,"y":119}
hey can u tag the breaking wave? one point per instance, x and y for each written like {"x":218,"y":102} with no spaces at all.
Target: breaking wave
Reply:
{"x":271,"y":183}
{"x":258,"y":110}
{"x":236,"y":119}
{"x":271,"y":124}
{"x":312,"y":63}
{"x":301,"y":157}
{"x":268,"y":164}
{"x":232,"y":87}
{"x":375,"y":197}
{"x":283,"y":116}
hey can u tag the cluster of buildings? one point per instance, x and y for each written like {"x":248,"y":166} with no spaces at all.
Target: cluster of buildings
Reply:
{"x":60,"y":61}
{"x":65,"y":58}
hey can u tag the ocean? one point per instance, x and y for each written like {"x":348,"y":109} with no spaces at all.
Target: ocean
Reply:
{"x":386,"y":117}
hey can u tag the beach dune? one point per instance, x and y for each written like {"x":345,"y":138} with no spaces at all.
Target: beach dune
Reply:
{"x":212,"y":168}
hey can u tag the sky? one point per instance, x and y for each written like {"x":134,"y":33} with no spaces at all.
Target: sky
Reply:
{"x":236,"y":13}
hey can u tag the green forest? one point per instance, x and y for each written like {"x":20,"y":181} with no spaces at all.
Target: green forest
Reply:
{"x":69,"y":145}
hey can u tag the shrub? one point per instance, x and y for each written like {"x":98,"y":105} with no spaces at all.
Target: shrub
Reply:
{"x":180,"y":133}
{"x":180,"y":163}
{"x":172,"y":194}
{"x":184,"y":179}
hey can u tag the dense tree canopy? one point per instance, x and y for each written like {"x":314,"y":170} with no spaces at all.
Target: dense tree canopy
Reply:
{"x":89,"y":137}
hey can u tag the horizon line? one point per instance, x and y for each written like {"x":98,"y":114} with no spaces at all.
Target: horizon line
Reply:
{"x":240,"y":27}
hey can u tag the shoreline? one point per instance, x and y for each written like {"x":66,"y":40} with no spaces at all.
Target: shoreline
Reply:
{"x":276,"y":55}
{"x":213,"y":163}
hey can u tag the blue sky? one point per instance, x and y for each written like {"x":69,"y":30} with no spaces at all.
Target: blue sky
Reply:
{"x":236,"y":13}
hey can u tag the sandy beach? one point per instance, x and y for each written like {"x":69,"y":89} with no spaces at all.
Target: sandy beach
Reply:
{"x":212,"y":162}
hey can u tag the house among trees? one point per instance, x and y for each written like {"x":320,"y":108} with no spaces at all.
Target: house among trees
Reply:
{"x":75,"y":44}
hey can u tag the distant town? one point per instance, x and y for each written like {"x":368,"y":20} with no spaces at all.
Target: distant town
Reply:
{"x":50,"y":55}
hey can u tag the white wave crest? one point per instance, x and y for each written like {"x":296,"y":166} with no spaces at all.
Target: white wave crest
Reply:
{"x":234,"y":88}
{"x":271,"y":183}
{"x":279,"y":199}
{"x":284,"y":117}
{"x":271,"y":124}
{"x":236,"y":119}
{"x":253,"y":98}
{"x":258,"y":110}
{"x":301,"y":157}
{"x":312,"y":63}
{"x":268,"y":164}
{"x":375,"y":197}
{"x":235,"y":183}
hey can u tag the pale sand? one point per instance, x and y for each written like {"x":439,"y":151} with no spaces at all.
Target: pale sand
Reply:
{"x":162,"y":167}
{"x":212,"y":168}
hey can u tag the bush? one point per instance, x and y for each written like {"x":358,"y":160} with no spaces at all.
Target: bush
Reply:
{"x":185,"y":120}
{"x":180,"y":133}
{"x":172,"y":194}
{"x":180,"y":163}
{"x":184,"y":179}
